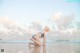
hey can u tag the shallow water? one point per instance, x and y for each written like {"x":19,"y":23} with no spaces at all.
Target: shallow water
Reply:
{"x":49,"y":48}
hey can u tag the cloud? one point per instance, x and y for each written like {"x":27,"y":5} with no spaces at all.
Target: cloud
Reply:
{"x":11,"y":29}
{"x":35,"y":27}
{"x":57,"y":16}
{"x":8,"y":22}
{"x":78,"y":25}
{"x":61,"y":20}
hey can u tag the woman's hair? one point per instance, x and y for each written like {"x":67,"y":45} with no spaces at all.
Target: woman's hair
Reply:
{"x":46,"y":28}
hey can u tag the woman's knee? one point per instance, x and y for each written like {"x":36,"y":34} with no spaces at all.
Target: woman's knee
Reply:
{"x":39,"y":44}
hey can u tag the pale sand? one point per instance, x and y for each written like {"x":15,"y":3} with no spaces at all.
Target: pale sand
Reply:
{"x":49,"y":48}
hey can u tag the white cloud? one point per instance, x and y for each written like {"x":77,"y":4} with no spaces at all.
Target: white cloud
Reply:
{"x":62,"y":21}
{"x":8,"y":22}
{"x":10,"y":28}
{"x":57,"y":16}
{"x":35,"y":27}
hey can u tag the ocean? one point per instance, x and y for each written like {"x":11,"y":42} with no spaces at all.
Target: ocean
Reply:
{"x":51,"y":47}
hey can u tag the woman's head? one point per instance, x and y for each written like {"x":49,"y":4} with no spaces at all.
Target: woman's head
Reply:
{"x":46,"y":29}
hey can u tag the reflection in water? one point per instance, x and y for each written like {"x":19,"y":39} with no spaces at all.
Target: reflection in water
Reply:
{"x":44,"y":49}
{"x":37,"y":49}
{"x":49,"y":48}
{"x":20,"y":52}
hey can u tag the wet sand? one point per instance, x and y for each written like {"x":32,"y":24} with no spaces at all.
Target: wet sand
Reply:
{"x":49,"y":48}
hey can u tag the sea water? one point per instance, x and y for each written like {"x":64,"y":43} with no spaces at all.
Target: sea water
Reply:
{"x":51,"y":47}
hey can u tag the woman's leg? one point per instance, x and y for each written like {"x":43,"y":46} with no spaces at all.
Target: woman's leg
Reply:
{"x":38,"y":43}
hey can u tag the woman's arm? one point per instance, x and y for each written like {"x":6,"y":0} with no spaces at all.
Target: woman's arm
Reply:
{"x":44,"y":39}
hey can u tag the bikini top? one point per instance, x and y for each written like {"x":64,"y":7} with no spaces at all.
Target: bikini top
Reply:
{"x":42,"y":35}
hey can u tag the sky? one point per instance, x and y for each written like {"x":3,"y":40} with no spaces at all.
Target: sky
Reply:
{"x":26,"y":17}
{"x":27,"y":11}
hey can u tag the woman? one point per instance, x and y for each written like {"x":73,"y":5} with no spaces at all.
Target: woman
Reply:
{"x":36,"y":38}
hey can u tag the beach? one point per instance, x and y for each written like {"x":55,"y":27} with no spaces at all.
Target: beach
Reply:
{"x":49,"y":48}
